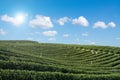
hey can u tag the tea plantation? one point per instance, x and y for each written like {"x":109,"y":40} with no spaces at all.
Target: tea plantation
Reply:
{"x":30,"y":60}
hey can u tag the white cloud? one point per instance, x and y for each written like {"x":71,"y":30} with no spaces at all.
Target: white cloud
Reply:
{"x":100,"y":24}
{"x":42,"y":22}
{"x":63,"y":20}
{"x":85,"y":34}
{"x":81,"y":21}
{"x":16,"y":21}
{"x":66,"y":35}
{"x":50,"y":33}
{"x":2,"y":32}
{"x":111,"y":24}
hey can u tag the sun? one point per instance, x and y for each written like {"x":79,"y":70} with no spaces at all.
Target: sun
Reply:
{"x":20,"y":18}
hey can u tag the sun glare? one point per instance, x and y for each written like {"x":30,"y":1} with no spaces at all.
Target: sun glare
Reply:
{"x":20,"y":18}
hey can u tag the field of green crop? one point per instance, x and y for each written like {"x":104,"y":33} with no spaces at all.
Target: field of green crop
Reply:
{"x":30,"y":60}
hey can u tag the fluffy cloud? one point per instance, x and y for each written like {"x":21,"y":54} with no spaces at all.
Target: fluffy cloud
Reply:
{"x":81,"y":21}
{"x":101,"y":24}
{"x":2,"y":32}
{"x":112,"y":24}
{"x":85,"y":34}
{"x":16,"y":21}
{"x":42,"y":22}
{"x":66,"y":35}
{"x":50,"y":33}
{"x":63,"y":20}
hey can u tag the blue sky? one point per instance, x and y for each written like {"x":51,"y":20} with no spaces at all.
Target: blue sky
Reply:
{"x":61,"y":21}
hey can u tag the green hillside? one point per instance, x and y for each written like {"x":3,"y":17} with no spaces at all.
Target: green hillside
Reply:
{"x":30,"y":60}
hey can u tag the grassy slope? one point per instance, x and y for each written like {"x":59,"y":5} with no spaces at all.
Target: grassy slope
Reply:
{"x":60,"y":59}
